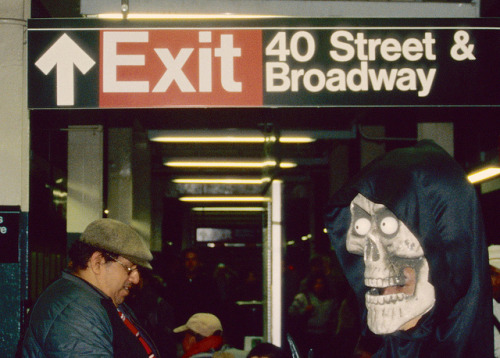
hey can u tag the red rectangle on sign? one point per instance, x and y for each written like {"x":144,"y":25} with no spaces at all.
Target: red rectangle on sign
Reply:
{"x":162,"y":68}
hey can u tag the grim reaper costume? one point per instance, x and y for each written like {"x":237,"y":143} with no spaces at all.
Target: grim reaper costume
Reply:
{"x":409,"y":236}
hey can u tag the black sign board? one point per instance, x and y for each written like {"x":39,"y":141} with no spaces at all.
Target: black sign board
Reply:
{"x":280,"y":62}
{"x":9,"y":234}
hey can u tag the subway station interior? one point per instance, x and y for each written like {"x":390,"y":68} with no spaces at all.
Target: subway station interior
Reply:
{"x":141,"y":179}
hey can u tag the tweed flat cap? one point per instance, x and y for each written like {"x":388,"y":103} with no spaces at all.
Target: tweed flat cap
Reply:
{"x":118,"y":238}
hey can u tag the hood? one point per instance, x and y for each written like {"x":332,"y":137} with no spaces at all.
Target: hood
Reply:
{"x":427,"y":190}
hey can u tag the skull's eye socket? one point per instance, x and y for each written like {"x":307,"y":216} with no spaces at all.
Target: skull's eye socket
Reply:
{"x":362,"y":226}
{"x":389,"y":225}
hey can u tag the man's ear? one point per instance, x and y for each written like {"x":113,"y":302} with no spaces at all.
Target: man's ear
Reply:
{"x":96,"y":262}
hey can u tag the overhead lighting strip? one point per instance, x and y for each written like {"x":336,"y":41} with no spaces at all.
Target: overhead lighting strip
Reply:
{"x":228,"y":209}
{"x":218,"y":181}
{"x":160,"y":16}
{"x":227,"y":164}
{"x":224,"y":199}
{"x":230,"y":139}
{"x":228,"y":136}
{"x":484,"y":174}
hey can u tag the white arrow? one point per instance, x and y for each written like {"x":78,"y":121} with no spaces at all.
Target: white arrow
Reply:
{"x":63,"y":55}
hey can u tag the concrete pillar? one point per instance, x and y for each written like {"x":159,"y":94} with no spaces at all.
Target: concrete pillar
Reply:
{"x":441,"y":133}
{"x":85,"y":179}
{"x":119,"y":199}
{"x":14,"y":164}
{"x":129,"y":182}
{"x":141,"y":189}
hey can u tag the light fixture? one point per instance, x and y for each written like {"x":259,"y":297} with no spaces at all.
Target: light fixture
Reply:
{"x":256,"y":181}
{"x":484,"y":174}
{"x":224,"y":198}
{"x":227,"y":164}
{"x":228,"y":208}
{"x":160,"y":16}
{"x":226,"y":136}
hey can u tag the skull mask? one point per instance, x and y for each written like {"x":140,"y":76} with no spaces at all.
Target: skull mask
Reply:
{"x":396,"y":270}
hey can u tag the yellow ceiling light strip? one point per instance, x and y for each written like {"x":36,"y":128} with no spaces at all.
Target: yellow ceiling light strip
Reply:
{"x":218,"y":181}
{"x":209,"y":139}
{"x":224,"y":198}
{"x":226,"y":164}
{"x":229,"y":139}
{"x":228,"y":208}
{"x":177,"y":16}
{"x":484,"y":174}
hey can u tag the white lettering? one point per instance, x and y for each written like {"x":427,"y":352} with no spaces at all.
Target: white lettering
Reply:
{"x":280,"y":78}
{"x":277,"y":72}
{"x":227,"y":53}
{"x":320,"y":80}
{"x":205,"y":63}
{"x":338,"y":44}
{"x":111,"y":60}
{"x":412,"y":49}
{"x":389,"y":49}
{"x":174,"y":70}
{"x":357,"y":79}
{"x":336,"y":80}
{"x":296,"y":75}
{"x":426,"y":81}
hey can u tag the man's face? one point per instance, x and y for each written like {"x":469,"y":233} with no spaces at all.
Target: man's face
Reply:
{"x":191,"y":261}
{"x":495,"y":282}
{"x":116,"y":280}
{"x":188,"y":342}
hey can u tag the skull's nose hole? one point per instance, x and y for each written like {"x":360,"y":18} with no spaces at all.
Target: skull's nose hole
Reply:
{"x":371,"y":251}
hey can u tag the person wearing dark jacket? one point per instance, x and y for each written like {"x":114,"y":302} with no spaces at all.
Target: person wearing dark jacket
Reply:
{"x":83,"y":314}
{"x":409,"y":235}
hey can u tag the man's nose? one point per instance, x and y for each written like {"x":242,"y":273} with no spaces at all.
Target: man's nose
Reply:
{"x":134,"y":277}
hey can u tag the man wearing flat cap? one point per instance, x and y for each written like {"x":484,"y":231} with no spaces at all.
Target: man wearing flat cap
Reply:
{"x":203,"y":338}
{"x":83,"y":313}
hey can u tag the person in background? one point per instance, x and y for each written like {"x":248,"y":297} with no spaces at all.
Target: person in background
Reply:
{"x":266,"y":350}
{"x":83,"y":314}
{"x":203,"y":338}
{"x":154,"y":313}
{"x":494,"y":260}
{"x":192,"y":290}
{"x":314,"y":314}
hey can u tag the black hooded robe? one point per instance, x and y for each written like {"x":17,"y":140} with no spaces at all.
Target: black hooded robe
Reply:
{"x":427,"y":190}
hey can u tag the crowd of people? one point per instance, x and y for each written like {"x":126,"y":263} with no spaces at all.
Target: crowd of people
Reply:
{"x":111,"y":302}
{"x":408,"y":281}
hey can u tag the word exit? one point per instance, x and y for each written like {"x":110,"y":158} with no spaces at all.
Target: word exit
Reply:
{"x":180,"y":67}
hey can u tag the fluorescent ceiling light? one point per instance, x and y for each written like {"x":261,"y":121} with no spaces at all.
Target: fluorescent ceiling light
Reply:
{"x":227,"y":164}
{"x":160,"y":16}
{"x":218,"y":181}
{"x":297,"y":139}
{"x":226,"y":136}
{"x":224,"y":198}
{"x":227,"y":139}
{"x":230,"y":139}
{"x":227,"y":208}
{"x":484,"y":174}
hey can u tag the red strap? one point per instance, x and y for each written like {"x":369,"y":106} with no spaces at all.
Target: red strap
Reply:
{"x":136,"y":333}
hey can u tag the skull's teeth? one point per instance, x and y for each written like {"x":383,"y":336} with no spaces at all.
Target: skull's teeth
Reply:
{"x":384,"y":282}
{"x":383,"y":299}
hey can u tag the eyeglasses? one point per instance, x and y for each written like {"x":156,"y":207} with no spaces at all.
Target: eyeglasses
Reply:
{"x":129,"y":269}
